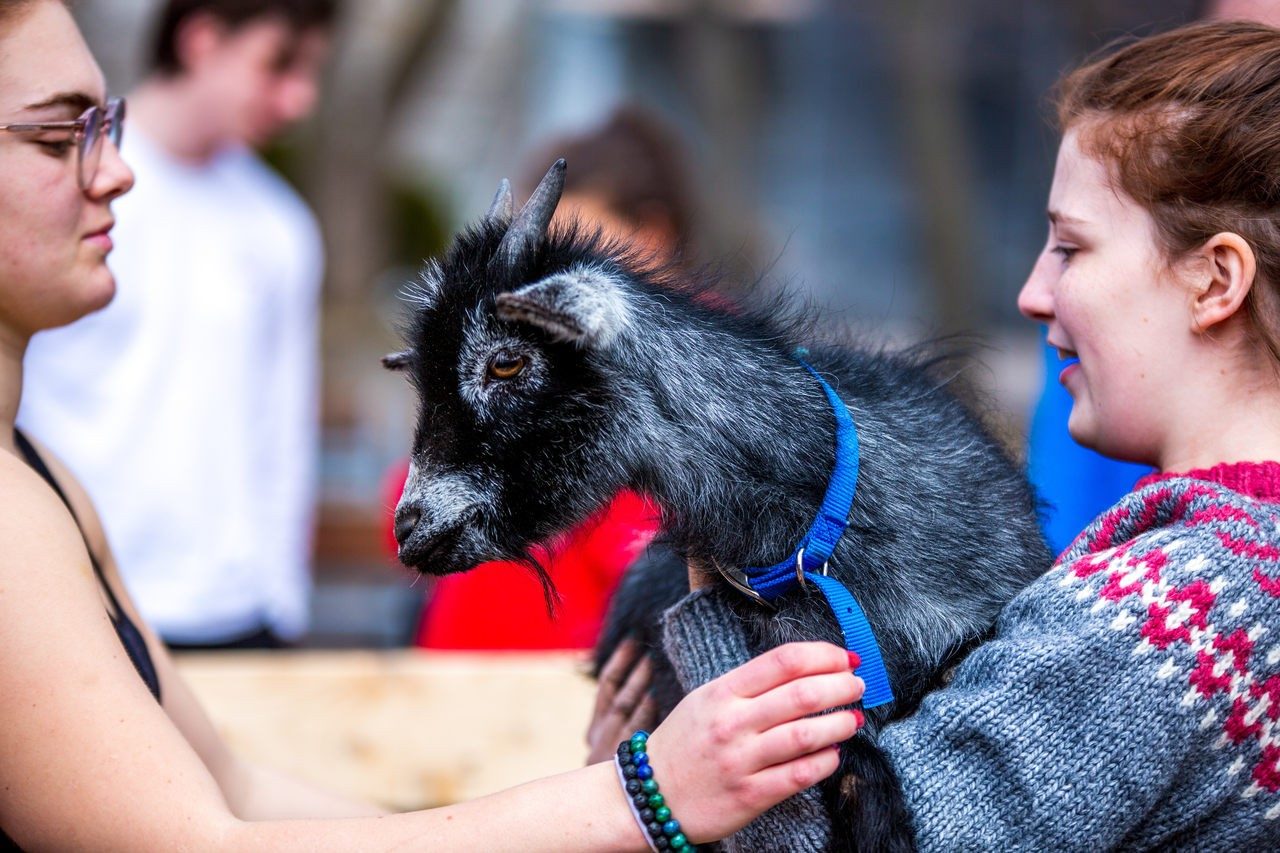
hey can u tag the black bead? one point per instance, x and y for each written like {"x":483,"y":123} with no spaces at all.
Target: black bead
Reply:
{"x":629,"y":771}
{"x":633,"y":786}
{"x":624,"y":748}
{"x":655,"y":829}
{"x":647,"y":815}
{"x":662,"y":843}
{"x":641,"y":800}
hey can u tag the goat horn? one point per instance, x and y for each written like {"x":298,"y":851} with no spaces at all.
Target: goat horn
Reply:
{"x":502,"y":208}
{"x":398,"y":360}
{"x":529,"y":227}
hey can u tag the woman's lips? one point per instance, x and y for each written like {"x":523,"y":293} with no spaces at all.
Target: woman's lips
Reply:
{"x":101,"y":239}
{"x":1071,"y":366}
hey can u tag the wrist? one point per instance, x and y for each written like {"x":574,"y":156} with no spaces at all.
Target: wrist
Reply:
{"x":649,"y":807}
{"x":623,"y":832}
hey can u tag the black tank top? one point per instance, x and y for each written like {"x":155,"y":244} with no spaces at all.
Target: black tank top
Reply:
{"x":130,"y":637}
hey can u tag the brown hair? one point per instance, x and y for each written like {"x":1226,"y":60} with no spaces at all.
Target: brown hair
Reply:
{"x":300,"y":15}
{"x":634,"y":162}
{"x":1189,"y":121}
{"x":9,"y":9}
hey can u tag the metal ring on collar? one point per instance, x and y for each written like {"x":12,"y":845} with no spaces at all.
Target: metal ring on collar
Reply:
{"x":825,"y":571}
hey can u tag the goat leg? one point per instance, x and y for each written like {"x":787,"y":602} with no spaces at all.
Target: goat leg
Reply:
{"x":864,"y":798}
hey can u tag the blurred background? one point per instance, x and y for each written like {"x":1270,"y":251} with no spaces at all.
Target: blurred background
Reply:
{"x":890,"y":159}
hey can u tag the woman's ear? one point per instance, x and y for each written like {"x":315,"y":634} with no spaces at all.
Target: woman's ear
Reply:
{"x":1222,"y":280}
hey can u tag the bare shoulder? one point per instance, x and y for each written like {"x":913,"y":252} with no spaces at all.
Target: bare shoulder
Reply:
{"x":85,"y":512}
{"x":60,"y":653}
{"x":30,"y":511}
{"x":41,"y":549}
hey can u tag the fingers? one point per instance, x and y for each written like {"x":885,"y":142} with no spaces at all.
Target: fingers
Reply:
{"x":618,"y":707}
{"x":773,"y":785}
{"x":645,"y":717}
{"x":803,"y":697}
{"x":796,"y":739}
{"x":783,"y":664}
{"x":612,"y":682}
{"x":615,"y":672}
{"x":635,"y":688}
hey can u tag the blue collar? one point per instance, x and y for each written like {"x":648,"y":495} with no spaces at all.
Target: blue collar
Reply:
{"x":808,"y":562}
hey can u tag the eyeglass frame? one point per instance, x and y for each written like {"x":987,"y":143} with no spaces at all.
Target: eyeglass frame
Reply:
{"x":89,"y":129}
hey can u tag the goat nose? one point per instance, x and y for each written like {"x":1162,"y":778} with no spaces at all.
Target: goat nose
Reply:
{"x":407,"y":518}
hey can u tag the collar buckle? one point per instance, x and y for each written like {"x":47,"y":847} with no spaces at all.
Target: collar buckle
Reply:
{"x":738,"y":580}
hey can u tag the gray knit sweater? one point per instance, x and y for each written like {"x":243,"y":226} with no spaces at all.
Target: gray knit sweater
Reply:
{"x":1129,"y":700}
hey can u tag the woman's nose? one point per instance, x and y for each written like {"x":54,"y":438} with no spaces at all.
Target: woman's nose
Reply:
{"x":1035,"y":300}
{"x":114,"y":177}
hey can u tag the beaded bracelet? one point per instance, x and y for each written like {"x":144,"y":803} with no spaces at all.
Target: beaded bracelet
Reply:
{"x":648,"y":805}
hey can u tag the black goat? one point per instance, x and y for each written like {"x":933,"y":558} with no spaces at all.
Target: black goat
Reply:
{"x":553,"y":371}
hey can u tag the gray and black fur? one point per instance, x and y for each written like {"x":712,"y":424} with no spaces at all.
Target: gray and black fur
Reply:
{"x":553,"y":371}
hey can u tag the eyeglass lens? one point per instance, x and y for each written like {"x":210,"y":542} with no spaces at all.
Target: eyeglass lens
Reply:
{"x":91,"y":140}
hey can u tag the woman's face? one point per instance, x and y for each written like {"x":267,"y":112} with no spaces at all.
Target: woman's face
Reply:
{"x":1116,"y":313}
{"x":53,"y":234}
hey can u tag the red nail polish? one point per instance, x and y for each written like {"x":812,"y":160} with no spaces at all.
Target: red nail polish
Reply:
{"x":857,"y":715}
{"x":854,"y":660}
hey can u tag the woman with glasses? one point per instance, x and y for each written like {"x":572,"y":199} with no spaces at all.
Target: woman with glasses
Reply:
{"x":104,"y":746}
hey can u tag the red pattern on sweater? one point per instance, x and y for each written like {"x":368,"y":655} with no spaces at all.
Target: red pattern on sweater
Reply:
{"x":1170,"y":623}
{"x":1184,"y":614}
{"x":1269,"y":585}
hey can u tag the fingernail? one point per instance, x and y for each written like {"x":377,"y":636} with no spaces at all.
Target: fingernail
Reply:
{"x":857,"y":716}
{"x":854,"y":660}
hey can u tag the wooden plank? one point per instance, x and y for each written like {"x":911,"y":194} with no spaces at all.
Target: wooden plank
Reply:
{"x":405,"y":728}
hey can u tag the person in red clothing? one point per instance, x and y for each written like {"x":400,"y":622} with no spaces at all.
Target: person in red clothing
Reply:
{"x":628,"y":180}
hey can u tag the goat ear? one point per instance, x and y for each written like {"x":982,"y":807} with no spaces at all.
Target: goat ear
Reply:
{"x":503,"y":208}
{"x":584,"y":306}
{"x":397,"y":360}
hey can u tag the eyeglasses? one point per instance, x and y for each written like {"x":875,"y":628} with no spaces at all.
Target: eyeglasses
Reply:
{"x":88,"y":131}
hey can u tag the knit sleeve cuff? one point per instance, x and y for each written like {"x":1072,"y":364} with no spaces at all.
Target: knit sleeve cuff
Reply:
{"x":703,"y":638}
{"x":799,"y":824}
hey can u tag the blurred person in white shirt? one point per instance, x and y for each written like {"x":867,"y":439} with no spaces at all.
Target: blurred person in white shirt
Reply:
{"x":189,"y":405}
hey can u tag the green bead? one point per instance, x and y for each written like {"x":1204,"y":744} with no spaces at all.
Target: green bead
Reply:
{"x":657,"y":801}
{"x":662,"y":814}
{"x":649,"y":786}
{"x":679,"y":842}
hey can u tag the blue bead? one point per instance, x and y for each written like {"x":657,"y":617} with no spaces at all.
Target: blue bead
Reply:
{"x":671,"y":827}
{"x":642,"y":734}
{"x":644,"y":771}
{"x":640,"y":757}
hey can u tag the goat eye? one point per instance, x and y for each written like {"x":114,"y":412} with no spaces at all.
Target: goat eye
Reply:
{"x":506,"y":366}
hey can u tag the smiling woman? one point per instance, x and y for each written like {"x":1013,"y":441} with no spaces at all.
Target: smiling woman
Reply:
{"x":1128,"y":698}
{"x":107,"y":748}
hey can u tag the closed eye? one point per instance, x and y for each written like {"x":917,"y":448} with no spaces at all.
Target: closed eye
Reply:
{"x":56,"y":147}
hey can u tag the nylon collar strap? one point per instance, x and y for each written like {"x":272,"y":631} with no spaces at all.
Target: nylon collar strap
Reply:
{"x":808,"y":562}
